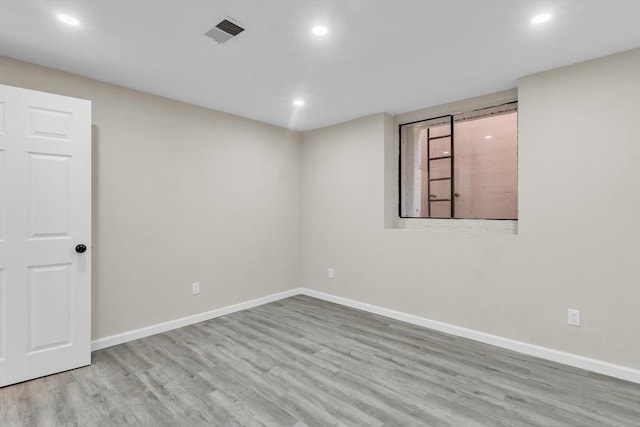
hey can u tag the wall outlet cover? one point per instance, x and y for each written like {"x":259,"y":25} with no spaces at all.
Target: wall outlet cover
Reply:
{"x":573,"y":317}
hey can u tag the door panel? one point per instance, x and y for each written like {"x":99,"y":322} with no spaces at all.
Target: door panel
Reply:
{"x":49,"y":195}
{"x":3,"y":180}
{"x":50,"y":306}
{"x":1,"y":117}
{"x":50,"y":123}
{"x":46,"y":143}
{"x":3,"y":312}
{"x":3,"y":251}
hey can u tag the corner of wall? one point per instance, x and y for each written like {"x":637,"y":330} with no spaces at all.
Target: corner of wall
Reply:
{"x":390,"y":159}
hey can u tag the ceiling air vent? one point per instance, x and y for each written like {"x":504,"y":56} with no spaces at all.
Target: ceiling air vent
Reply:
{"x":224,"y":31}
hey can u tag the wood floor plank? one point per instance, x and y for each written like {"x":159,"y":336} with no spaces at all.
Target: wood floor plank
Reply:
{"x":306,"y":362}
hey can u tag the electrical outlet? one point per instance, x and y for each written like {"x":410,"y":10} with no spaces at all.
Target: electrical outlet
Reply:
{"x":330,"y":273}
{"x":195,"y":288}
{"x":573,"y":317}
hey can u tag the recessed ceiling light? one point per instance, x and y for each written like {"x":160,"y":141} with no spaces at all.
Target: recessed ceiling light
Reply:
{"x":539,"y":19}
{"x":488,"y":137}
{"x":446,"y":153}
{"x":298,"y":102}
{"x":69,"y":20}
{"x":320,"y":30}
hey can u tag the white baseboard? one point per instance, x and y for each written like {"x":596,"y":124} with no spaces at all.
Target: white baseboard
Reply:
{"x":605,"y":368}
{"x":124,"y":337}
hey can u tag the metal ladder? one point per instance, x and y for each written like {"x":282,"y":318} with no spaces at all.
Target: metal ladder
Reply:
{"x":433,"y":198}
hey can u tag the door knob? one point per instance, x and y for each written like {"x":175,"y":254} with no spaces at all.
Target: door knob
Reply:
{"x":81,"y":249}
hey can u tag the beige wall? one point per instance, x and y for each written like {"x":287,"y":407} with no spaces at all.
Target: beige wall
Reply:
{"x":578,"y":159}
{"x":181,"y":194}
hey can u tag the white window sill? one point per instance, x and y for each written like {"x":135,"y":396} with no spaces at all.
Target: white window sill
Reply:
{"x":491,"y":226}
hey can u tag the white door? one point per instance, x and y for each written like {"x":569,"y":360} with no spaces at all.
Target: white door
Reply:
{"x":45,"y":213}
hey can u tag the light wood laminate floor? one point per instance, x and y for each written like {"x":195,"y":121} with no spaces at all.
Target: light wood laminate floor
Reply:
{"x":302,"y":361}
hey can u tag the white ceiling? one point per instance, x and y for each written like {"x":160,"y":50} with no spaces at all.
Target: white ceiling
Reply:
{"x":380,"y":55}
